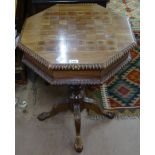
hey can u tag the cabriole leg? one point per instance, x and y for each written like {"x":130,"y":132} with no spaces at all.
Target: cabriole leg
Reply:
{"x":77,"y":117}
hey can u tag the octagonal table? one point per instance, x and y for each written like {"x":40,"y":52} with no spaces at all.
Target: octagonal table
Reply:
{"x":76,"y":45}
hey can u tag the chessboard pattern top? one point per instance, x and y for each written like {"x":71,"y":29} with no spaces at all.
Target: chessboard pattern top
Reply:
{"x":77,"y":34}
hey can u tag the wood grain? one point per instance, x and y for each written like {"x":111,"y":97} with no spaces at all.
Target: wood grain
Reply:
{"x":76,"y":43}
{"x":77,"y":33}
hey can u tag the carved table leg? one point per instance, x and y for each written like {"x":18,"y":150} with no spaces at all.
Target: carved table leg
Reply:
{"x":77,"y":102}
{"x":107,"y":113}
{"x":55,"y":110}
{"x":77,"y":116}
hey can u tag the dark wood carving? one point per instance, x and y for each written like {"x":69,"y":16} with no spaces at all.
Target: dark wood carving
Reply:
{"x":76,"y":103}
{"x":54,"y":52}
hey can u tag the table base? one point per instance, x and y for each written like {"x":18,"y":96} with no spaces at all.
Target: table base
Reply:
{"x":76,"y":103}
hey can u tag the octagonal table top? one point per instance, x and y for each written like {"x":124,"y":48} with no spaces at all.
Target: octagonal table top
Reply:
{"x":82,"y":34}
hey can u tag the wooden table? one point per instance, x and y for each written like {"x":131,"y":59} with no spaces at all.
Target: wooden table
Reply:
{"x":76,"y":45}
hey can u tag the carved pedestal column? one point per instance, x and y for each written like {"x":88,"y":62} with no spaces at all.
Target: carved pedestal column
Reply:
{"x":76,"y":103}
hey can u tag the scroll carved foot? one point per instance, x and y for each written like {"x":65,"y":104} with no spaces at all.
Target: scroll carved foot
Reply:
{"x":55,"y":110}
{"x":78,"y":145}
{"x":44,"y":116}
{"x":107,"y":113}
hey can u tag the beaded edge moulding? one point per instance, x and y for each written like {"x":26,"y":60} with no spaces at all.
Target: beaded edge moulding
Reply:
{"x":77,"y":66}
{"x":76,"y":81}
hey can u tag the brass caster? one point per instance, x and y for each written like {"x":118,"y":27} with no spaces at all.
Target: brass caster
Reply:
{"x":78,"y":145}
{"x":109,"y":114}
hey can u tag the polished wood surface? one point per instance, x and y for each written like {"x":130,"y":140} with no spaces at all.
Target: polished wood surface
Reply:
{"x":72,"y":75}
{"x":76,"y":44}
{"x":40,"y":5}
{"x":77,"y":34}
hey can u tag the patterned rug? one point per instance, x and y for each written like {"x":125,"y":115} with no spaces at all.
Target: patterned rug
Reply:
{"x":122,"y":92}
{"x":130,"y":8}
